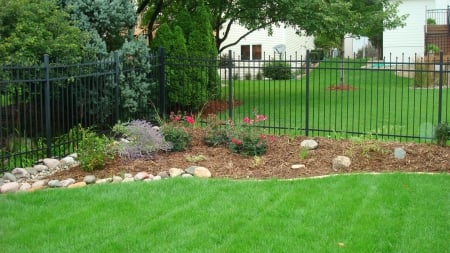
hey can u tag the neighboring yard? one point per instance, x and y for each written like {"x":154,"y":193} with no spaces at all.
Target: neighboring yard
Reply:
{"x":373,"y":101}
{"x":346,"y":213}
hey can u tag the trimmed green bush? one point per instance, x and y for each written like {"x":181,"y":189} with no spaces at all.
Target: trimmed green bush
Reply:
{"x":277,"y":70}
{"x":316,"y":55}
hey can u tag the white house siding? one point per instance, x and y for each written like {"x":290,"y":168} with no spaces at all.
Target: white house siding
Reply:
{"x":404,"y":44}
{"x":296,"y":46}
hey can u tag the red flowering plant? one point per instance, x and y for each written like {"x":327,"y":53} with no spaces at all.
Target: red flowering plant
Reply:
{"x":247,"y":139}
{"x":175,"y":131}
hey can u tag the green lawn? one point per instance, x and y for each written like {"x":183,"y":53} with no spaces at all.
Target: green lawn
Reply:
{"x":381,"y":103}
{"x":348,"y":213}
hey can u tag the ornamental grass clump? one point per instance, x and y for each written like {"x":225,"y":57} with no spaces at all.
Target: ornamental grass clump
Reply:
{"x":140,"y":140}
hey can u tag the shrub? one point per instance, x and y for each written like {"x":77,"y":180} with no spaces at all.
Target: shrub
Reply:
{"x":316,"y":55}
{"x":442,"y":133}
{"x":426,"y":74}
{"x":176,"y":133}
{"x":217,"y":133}
{"x":246,"y":139}
{"x":277,"y":70}
{"x":93,"y":150}
{"x":141,"y":139}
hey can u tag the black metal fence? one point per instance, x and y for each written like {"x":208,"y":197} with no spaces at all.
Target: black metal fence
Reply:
{"x":40,"y":106}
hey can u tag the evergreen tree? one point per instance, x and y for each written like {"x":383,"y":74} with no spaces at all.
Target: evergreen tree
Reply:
{"x":201,"y":46}
{"x":110,"y":22}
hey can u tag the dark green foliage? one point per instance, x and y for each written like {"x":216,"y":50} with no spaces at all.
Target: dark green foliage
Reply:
{"x":93,"y":150}
{"x":109,"y":22}
{"x":177,"y":136}
{"x":316,"y":55}
{"x":442,"y":133}
{"x":134,"y":84}
{"x":277,"y":70}
{"x":217,"y":132}
{"x":172,"y":40}
{"x":31,"y":28}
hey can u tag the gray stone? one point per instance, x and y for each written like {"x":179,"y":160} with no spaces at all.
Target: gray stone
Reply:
{"x":199,"y":171}
{"x":141,"y":176}
{"x":156,"y":178}
{"x":54,"y":183}
{"x":163,"y":174}
{"x":127,"y":175}
{"x":175,"y":172}
{"x":39,"y":184}
{"x":186,"y":175}
{"x":341,"y":162}
{"x":2,"y":181}
{"x":74,"y":155}
{"x":40,"y":167}
{"x":90,"y":179}
{"x":128,"y":180}
{"x":309,"y":144}
{"x":399,"y":153}
{"x":21,"y":173}
{"x":51,"y":163}
{"x":10,"y":177}
{"x":32,"y":171}
{"x":10,"y":187}
{"x":67,"y":161}
{"x":103,"y":181}
{"x":25,"y":187}
{"x":116,"y":179}
{"x":298,"y":166}
{"x":67,"y":182}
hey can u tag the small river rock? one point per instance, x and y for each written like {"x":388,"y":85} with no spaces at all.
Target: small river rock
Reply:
{"x":10,"y":187}
{"x":175,"y":172}
{"x":9,"y":176}
{"x":90,"y":179}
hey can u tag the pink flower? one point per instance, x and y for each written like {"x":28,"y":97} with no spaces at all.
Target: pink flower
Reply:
{"x":262,"y":136}
{"x":177,"y":118}
{"x":190,"y":120}
{"x":246,"y":120}
{"x":261,"y":117}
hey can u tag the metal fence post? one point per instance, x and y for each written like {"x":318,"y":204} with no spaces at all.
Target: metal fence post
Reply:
{"x":48,"y":126}
{"x":230,"y":86}
{"x":162,"y":82}
{"x":117,"y":88}
{"x":441,"y":73}
{"x":307,"y":93}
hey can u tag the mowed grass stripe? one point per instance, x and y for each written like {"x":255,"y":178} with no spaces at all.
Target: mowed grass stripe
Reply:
{"x":354,"y":213}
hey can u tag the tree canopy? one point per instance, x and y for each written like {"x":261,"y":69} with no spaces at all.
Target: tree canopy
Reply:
{"x":337,"y":17}
{"x":31,"y":28}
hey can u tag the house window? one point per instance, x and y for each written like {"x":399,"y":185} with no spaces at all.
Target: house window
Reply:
{"x":245,"y":52}
{"x":256,"y":52}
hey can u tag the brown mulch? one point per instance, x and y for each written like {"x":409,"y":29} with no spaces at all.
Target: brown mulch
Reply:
{"x":282,"y":153}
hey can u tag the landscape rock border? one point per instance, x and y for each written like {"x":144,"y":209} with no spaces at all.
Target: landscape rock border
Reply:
{"x":35,"y":178}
